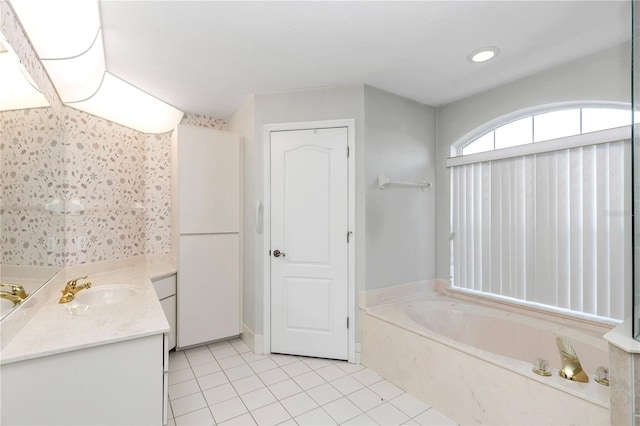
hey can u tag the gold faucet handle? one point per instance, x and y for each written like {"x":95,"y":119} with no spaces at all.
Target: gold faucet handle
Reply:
{"x":72,"y":283}
{"x":16,"y":290}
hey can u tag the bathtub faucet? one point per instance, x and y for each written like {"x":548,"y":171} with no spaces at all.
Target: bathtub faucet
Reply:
{"x":571,"y":368}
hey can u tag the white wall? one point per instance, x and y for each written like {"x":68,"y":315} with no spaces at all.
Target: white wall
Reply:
{"x":242,"y":123}
{"x":400,"y":142}
{"x":605,"y":76}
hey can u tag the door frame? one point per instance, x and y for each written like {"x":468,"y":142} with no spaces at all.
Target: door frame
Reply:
{"x":350,"y":124}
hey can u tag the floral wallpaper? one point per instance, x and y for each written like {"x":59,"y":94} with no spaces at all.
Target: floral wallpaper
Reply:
{"x":121,"y":177}
{"x":31,"y":175}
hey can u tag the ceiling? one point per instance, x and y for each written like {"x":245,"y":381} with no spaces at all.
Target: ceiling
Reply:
{"x":208,"y":57}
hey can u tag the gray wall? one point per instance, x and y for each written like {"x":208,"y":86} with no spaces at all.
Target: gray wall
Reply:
{"x":604,"y":76}
{"x":395,"y":136}
{"x":400,"y":142}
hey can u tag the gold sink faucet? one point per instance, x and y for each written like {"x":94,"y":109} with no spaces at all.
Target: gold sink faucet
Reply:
{"x":72,"y":288}
{"x":16,"y":295}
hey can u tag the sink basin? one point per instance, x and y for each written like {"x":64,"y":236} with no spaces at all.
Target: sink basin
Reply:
{"x":107,"y":295}
{"x":6,"y":306}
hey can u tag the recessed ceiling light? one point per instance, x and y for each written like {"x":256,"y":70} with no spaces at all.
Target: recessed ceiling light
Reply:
{"x":483,"y":54}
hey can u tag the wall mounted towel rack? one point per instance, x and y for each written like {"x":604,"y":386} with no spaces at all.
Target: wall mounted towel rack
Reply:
{"x":384,"y":181}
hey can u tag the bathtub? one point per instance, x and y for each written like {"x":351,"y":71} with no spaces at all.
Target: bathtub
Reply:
{"x":472,"y":361}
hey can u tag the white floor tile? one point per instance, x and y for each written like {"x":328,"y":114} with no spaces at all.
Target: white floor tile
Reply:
{"x":224,"y":352}
{"x":219,"y":345}
{"x":324,"y":393}
{"x":181,"y":376}
{"x":240,"y":346}
{"x":231,"y":362}
{"x":273,"y":376}
{"x":298,"y":404}
{"x":187,"y":404}
{"x":201,"y":417}
{"x":199,"y":355}
{"x":212,"y":380}
{"x":251,"y":357}
{"x":283,"y":359}
{"x":365,"y":399}
{"x":411,"y":423}
{"x":177,"y":361}
{"x":348,"y":368}
{"x":387,"y":414}
{"x":297,"y":391}
{"x":228,"y":409}
{"x":433,"y":417}
{"x":263,"y":365}
{"x":316,"y":363}
{"x":386,"y":390}
{"x":409,"y":404}
{"x":171,"y":422}
{"x":219,"y":393}
{"x":315,"y":417}
{"x":285,"y":388}
{"x":183,"y":389}
{"x":289,"y":422}
{"x":330,"y":372}
{"x":247,"y":384}
{"x":239,"y":372}
{"x":342,"y":410}
{"x":271,"y":414}
{"x":206,"y":368}
{"x":347,"y":385}
{"x":243,"y":420}
{"x":296,"y":368}
{"x":361,"y":420}
{"x":258,"y":398}
{"x":366,"y":377}
{"x":309,"y":380}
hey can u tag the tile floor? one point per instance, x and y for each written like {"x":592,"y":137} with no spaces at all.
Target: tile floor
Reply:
{"x":227,"y":384}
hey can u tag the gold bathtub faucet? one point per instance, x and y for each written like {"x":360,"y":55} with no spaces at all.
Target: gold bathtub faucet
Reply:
{"x":16,"y":295}
{"x":571,"y":368}
{"x":72,"y":288}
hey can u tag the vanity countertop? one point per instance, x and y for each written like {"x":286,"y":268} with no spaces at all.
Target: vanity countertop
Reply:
{"x":42,"y":326}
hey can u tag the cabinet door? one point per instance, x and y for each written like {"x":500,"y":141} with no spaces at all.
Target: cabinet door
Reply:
{"x":208,"y":288}
{"x":208,"y":180}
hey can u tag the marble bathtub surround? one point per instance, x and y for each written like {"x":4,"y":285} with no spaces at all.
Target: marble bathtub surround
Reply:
{"x":42,"y":327}
{"x":389,"y":334}
{"x":624,"y":375}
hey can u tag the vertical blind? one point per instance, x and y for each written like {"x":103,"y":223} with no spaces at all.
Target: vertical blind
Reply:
{"x":552,"y":228}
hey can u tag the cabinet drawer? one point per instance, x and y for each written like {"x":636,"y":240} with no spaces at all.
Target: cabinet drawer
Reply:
{"x":165,"y":287}
{"x":169,"y":308}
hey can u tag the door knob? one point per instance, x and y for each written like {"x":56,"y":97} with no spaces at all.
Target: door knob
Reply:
{"x":278,"y":253}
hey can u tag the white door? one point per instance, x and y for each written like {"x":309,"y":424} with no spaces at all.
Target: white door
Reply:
{"x":309,"y":285}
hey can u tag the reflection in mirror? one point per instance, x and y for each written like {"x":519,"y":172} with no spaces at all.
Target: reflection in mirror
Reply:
{"x":31,"y":158}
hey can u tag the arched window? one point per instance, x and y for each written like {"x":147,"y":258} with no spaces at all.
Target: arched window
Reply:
{"x":547,"y":125}
{"x":540,"y":209}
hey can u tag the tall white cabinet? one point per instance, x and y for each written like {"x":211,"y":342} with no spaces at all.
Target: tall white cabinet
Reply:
{"x":206,"y":227}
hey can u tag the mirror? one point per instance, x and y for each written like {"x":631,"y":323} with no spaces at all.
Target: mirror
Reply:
{"x":31,"y":159}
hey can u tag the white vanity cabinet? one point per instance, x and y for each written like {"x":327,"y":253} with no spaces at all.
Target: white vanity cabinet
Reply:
{"x":121,"y":383}
{"x":166,"y":289}
{"x":206,"y":241}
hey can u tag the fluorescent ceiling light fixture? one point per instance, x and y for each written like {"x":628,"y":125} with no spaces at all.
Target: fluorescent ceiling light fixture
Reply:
{"x":17,"y":89}
{"x":483,"y":54}
{"x":120,"y":102}
{"x":67,"y":36}
{"x":59,"y":28}
{"x":78,"y":78}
